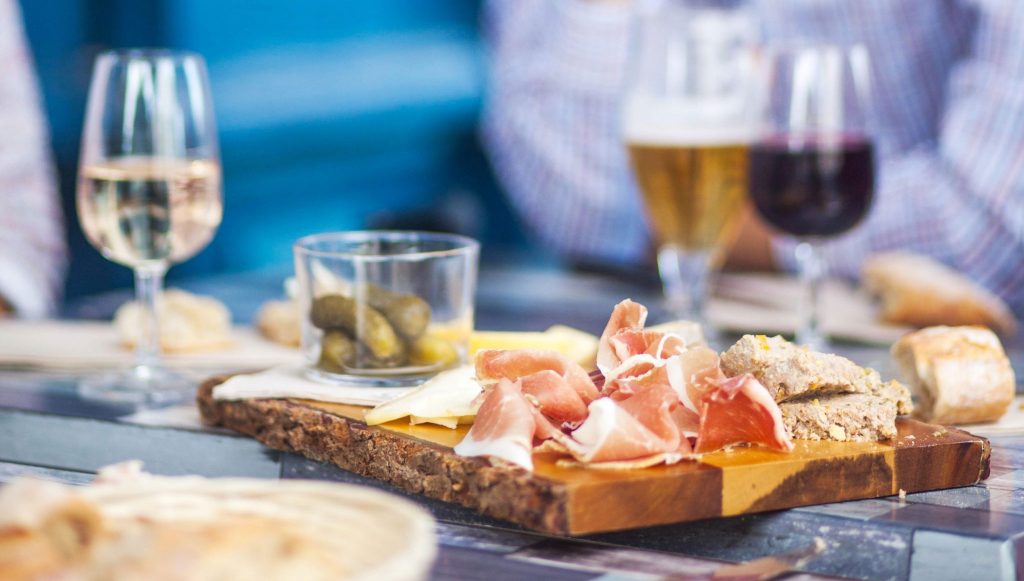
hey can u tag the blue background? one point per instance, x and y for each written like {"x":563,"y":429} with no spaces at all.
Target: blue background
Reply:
{"x":332,"y":115}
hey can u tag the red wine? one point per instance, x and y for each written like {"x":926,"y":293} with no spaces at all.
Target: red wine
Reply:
{"x":816,"y":188}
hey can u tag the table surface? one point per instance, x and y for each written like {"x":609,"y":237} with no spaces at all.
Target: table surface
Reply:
{"x":977,"y":531}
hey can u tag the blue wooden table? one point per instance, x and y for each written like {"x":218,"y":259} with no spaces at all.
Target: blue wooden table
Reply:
{"x":974,"y":533}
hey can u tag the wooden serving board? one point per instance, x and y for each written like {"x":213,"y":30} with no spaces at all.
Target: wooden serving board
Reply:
{"x":576,"y":501}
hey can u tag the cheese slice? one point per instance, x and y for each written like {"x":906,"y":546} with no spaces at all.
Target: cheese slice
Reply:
{"x":443,"y":400}
{"x":579,"y":346}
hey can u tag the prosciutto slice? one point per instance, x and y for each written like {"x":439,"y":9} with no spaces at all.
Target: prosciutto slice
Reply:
{"x":631,"y":374}
{"x":554,"y":397}
{"x":626,"y":315}
{"x":688,"y":423}
{"x":688,"y":373}
{"x":495,"y":364}
{"x":546,"y":430}
{"x":740,"y":410}
{"x":654,"y":409}
{"x":629,"y":342}
{"x":697,"y":372}
{"x":610,"y":433}
{"x":503,"y":428}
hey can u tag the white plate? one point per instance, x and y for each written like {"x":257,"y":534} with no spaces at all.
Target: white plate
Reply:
{"x":374,"y":534}
{"x":78,"y":345}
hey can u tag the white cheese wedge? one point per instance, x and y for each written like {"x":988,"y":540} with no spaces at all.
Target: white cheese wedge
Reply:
{"x":444,"y":400}
{"x":449,"y":423}
{"x":446,"y":422}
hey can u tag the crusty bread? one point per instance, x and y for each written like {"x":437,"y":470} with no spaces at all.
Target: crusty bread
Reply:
{"x":959,"y":374}
{"x":188,"y":323}
{"x":852,"y":417}
{"x":280,"y":322}
{"x":919,"y":291}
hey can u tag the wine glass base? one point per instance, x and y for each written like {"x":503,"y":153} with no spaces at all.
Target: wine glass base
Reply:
{"x":713,"y":336}
{"x":142,"y":386}
{"x":813,"y":340}
{"x":409,"y":380}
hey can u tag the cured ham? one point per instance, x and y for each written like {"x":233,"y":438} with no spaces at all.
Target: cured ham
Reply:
{"x":493,"y":364}
{"x":660,"y":401}
{"x":631,"y":374}
{"x":740,"y":410}
{"x":626,"y":315}
{"x":629,"y":342}
{"x":688,"y":423}
{"x":653,"y":408}
{"x":545,"y":429}
{"x":610,"y":433}
{"x":688,"y":373}
{"x":554,"y":397}
{"x":698,"y":371}
{"x":503,"y":428}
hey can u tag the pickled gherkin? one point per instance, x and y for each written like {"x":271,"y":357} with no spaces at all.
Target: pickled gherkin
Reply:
{"x":407,"y":313}
{"x":430,"y":350}
{"x":368,"y":361}
{"x":365,"y":323}
{"x":337,"y":352}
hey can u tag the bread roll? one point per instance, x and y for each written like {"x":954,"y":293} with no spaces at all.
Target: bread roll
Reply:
{"x":919,"y":291}
{"x":188,"y":323}
{"x":960,"y":375}
{"x":280,"y":322}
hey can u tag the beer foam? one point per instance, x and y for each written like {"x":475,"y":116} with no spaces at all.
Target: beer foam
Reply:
{"x":659,"y":121}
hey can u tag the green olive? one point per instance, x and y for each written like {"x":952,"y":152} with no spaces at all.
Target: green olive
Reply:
{"x":337,"y":352}
{"x":431,"y":350}
{"x":365,"y":323}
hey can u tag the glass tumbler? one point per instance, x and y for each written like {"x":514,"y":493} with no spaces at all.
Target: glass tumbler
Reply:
{"x":385,"y":308}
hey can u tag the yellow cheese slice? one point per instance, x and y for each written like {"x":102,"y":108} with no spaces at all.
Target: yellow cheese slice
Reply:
{"x":573,"y":343}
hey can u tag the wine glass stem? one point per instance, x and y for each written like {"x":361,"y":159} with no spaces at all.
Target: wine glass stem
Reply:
{"x":148,"y":284}
{"x":684,"y":277}
{"x":812,"y":267}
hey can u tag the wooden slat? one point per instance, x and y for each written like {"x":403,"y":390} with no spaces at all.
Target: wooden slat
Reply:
{"x":576,"y":500}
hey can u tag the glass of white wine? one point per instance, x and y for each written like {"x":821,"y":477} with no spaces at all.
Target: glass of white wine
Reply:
{"x":149,"y":192}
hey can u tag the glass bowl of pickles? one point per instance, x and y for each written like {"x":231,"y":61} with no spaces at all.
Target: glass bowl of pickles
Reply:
{"x":385,"y":308}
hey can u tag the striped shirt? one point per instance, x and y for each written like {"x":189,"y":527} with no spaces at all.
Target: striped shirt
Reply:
{"x":948,"y":89}
{"x":32,"y":253}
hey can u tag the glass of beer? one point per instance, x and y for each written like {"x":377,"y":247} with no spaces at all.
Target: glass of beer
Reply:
{"x":688,"y":120}
{"x":149,"y":192}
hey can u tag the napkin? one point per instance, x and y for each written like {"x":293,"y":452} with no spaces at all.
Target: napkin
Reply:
{"x":78,"y":345}
{"x":1011,"y":424}
{"x":771,"y":304}
{"x":290,"y":381}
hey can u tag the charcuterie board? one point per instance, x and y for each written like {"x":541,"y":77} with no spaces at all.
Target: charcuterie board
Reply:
{"x":576,"y":501}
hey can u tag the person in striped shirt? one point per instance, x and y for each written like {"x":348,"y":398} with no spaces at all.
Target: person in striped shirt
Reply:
{"x":948,"y":88}
{"x":32,"y":253}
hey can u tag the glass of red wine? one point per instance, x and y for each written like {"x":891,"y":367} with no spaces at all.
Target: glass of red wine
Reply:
{"x":812,"y":169}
